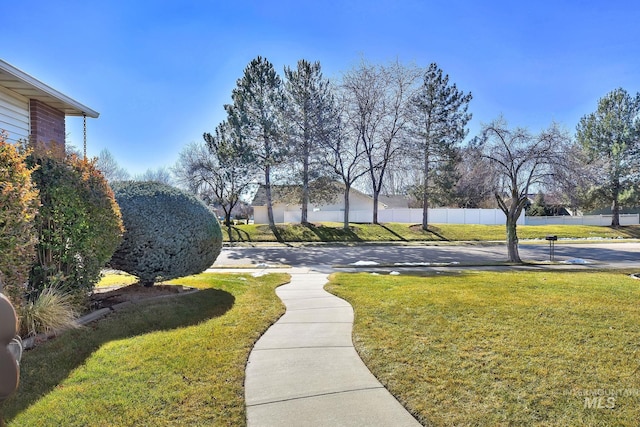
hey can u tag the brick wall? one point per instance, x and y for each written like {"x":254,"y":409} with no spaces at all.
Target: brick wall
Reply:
{"x":47,"y":124}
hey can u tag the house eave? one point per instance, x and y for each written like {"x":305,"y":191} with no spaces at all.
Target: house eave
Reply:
{"x":24,"y":84}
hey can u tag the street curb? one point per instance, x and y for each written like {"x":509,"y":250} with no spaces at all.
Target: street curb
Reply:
{"x":568,"y":240}
{"x":554,"y":265}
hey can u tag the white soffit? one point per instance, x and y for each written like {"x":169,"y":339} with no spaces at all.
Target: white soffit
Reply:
{"x":22,"y":83}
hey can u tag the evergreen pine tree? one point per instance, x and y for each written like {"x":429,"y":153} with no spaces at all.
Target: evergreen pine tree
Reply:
{"x":256,"y":114}
{"x":439,"y":124}
{"x":611,"y":138}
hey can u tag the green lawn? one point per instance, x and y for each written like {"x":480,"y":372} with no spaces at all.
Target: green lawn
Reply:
{"x":177,"y":361}
{"x":502,"y":348}
{"x":395,"y":232}
{"x":119,"y":278}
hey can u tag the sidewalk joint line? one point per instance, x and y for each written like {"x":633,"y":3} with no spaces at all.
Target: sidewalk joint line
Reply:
{"x":318,"y":308}
{"x":308,"y":323}
{"x":330,"y":393}
{"x":303,"y":347}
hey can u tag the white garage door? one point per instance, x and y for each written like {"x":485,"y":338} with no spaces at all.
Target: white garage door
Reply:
{"x":14,"y":115}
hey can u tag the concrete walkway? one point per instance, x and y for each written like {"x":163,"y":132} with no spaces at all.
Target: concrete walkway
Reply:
{"x":304,"y":371}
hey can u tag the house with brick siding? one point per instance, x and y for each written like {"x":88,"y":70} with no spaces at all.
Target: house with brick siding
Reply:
{"x":32,"y":111}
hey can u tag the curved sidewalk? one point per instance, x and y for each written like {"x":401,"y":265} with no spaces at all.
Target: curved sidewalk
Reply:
{"x":304,"y":371}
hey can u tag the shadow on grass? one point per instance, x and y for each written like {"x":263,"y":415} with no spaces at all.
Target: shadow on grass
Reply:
{"x":333,"y":234}
{"x":46,"y":366}
{"x":436,"y":232}
{"x":276,"y":232}
{"x":393,"y":232}
{"x":630,"y":231}
{"x":237,"y":235}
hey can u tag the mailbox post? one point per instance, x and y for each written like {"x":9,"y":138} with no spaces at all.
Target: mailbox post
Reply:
{"x":552,"y":241}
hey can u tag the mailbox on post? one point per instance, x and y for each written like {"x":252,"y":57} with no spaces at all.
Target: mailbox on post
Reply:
{"x":552,"y":241}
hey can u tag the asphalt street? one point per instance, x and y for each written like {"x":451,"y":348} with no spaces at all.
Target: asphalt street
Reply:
{"x":617,"y":254}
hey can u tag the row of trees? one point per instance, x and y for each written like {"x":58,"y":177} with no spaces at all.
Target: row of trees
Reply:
{"x":399,"y":129}
{"x":376,"y":121}
{"x":113,"y":172}
{"x":400,"y":124}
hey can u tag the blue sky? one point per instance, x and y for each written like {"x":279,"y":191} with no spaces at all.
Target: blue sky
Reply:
{"x":159,"y":72}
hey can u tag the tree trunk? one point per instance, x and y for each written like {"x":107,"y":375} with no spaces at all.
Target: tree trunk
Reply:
{"x":305,"y":187}
{"x":512,"y":239}
{"x":230,"y":233}
{"x":425,"y":190}
{"x":267,"y":189}
{"x":346,"y":208}
{"x":425,"y":211}
{"x":227,"y":222}
{"x":615,"y":210}
{"x":375,"y":206}
{"x":146,"y":283}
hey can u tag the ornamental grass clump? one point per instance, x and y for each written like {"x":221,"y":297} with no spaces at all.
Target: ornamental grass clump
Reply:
{"x":169,"y":233}
{"x":51,"y":311}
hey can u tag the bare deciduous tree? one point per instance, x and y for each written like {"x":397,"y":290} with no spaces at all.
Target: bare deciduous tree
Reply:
{"x":109,"y":167}
{"x":161,"y":175}
{"x":346,"y":156}
{"x":475,"y":187}
{"x":220,"y":171}
{"x":521,"y":162}
{"x":377,"y":111}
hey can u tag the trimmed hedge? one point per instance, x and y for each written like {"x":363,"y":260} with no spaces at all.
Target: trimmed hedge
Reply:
{"x":78,"y":224}
{"x":18,"y":208}
{"x":169,"y":233}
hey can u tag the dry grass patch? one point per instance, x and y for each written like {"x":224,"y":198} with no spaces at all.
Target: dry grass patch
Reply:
{"x":498,"y":349}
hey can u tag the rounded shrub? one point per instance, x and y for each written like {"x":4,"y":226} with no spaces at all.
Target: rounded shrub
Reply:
{"x":168,"y":233}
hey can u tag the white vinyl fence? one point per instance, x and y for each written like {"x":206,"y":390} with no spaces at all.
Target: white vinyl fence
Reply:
{"x":604,"y":220}
{"x":409,"y":216}
{"x":452,"y":216}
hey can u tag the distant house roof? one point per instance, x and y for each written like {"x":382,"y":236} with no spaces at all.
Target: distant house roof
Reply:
{"x":290,"y":194}
{"x":279,"y":194}
{"x":22,"y":83}
{"x":392,"y":202}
